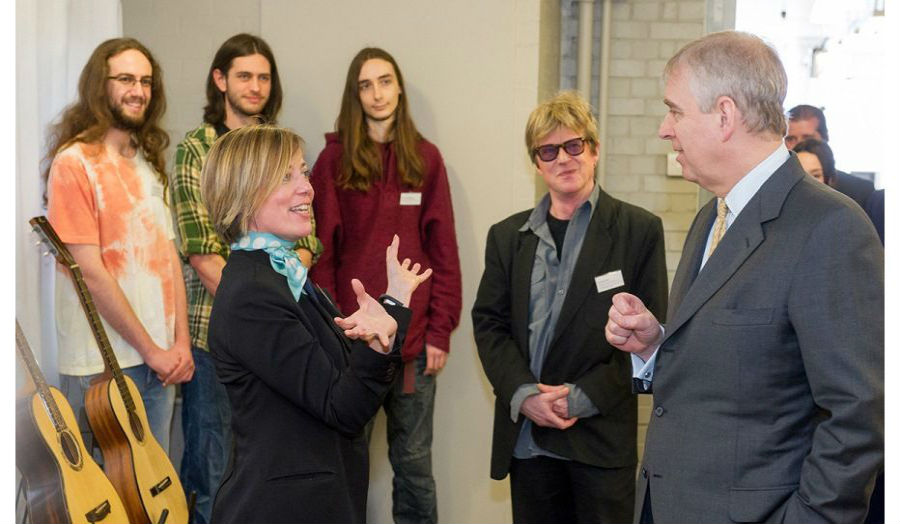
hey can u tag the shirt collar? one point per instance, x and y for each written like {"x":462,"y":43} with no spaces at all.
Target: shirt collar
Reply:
{"x":538,"y":216}
{"x":743,"y":191}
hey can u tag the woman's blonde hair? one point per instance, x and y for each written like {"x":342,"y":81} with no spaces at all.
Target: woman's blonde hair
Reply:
{"x":565,"y":109}
{"x":242,"y":169}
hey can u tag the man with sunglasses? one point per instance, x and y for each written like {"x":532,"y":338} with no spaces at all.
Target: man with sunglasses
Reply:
{"x":565,"y":421}
{"x":106,"y":201}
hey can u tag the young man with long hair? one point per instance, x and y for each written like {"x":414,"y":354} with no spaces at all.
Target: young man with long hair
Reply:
{"x":106,"y":200}
{"x":242,"y":88}
{"x":377,"y":177}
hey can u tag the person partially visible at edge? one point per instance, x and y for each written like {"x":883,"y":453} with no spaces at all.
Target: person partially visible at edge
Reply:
{"x":303,"y":381}
{"x":805,"y":122}
{"x":816,"y":159}
{"x":768,"y":375}
{"x":377,"y":177}
{"x":106,"y":188}
{"x":565,"y":419}
{"x":242,"y":88}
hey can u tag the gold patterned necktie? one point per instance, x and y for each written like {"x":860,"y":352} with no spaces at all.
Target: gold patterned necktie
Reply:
{"x":719,"y":228}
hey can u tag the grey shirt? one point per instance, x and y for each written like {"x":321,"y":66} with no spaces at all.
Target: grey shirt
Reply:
{"x":550,"y":279}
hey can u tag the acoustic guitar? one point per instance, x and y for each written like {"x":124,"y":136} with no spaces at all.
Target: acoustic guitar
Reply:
{"x":134,"y":461}
{"x":62,"y":482}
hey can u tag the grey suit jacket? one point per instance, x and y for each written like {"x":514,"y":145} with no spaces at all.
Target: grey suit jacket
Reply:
{"x":768,"y":388}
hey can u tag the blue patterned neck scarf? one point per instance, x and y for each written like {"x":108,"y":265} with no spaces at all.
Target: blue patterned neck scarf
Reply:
{"x":282,"y":256}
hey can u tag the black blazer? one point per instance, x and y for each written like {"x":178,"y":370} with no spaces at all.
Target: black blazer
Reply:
{"x":856,"y":188}
{"x":620,"y":236}
{"x":300,"y":393}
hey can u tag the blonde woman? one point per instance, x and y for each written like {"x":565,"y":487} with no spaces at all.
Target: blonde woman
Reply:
{"x":302,"y":381}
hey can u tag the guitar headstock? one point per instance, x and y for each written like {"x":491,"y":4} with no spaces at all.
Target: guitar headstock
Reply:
{"x":50,"y":240}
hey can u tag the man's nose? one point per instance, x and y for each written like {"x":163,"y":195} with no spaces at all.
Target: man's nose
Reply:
{"x":665,"y":129}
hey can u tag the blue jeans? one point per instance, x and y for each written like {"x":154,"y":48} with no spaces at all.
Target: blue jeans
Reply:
{"x":159,"y":402}
{"x":409,"y":432}
{"x":206,"y":419}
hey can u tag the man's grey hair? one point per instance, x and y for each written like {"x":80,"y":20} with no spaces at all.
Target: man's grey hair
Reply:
{"x":742,"y":67}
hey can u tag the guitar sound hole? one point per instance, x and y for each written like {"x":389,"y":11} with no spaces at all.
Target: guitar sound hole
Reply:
{"x":70,"y":449}
{"x":136,"y":427}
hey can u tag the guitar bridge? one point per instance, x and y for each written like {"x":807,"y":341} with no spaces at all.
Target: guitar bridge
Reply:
{"x":99,"y":513}
{"x":160,"y":486}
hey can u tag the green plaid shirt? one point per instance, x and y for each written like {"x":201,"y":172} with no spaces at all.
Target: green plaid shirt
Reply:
{"x":195,"y":234}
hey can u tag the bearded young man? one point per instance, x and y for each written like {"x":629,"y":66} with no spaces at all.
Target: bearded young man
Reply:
{"x":106,"y":200}
{"x":242,"y":88}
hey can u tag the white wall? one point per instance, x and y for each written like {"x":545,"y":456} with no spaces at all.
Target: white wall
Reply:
{"x":470,"y":69}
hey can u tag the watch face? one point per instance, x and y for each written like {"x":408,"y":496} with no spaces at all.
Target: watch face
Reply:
{"x":389,"y":300}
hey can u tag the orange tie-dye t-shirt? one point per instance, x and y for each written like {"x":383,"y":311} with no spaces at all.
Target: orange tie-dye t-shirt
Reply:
{"x":96,"y":196}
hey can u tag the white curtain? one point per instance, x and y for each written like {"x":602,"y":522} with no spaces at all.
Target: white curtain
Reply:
{"x":54,"y":39}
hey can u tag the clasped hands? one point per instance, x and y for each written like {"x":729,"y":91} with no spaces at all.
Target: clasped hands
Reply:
{"x":550,"y":407}
{"x":371,"y":322}
{"x":631,"y":328}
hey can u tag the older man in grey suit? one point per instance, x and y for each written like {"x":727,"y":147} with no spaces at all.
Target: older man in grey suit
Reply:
{"x":768,"y":376}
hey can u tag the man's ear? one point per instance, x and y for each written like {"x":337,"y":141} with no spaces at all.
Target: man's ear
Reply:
{"x":220,"y":80}
{"x":730,"y":117}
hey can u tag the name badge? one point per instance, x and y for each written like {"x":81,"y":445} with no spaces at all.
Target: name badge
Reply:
{"x":610,"y":280}
{"x":410,"y":199}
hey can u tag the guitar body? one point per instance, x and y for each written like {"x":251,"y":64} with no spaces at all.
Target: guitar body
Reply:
{"x":63,"y":483}
{"x":134,"y":461}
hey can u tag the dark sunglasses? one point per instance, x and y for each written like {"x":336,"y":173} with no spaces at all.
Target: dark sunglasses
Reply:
{"x":549,"y":152}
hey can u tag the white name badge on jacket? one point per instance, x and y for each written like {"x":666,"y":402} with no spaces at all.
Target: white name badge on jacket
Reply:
{"x":410,"y":199}
{"x":608,"y":281}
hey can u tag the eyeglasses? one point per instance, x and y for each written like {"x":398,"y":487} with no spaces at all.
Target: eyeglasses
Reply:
{"x":549,"y":152}
{"x":128,"y":81}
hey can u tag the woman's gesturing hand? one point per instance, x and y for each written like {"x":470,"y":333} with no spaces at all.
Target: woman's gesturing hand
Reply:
{"x":402,"y":279}
{"x":370,"y":322}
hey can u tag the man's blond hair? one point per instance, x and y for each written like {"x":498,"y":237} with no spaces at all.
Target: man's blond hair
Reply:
{"x":566,"y":109}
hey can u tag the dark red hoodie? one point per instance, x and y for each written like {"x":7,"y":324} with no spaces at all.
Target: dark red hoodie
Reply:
{"x":355,"y":228}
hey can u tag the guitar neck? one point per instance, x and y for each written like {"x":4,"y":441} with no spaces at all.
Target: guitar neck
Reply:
{"x":49,"y":237}
{"x":106,"y":351}
{"x":43,"y":390}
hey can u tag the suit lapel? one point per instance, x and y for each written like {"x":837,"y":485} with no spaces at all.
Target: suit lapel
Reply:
{"x":692,"y":255}
{"x":520,"y":295}
{"x":317,"y":300}
{"x":739,"y":242}
{"x":595,"y":251}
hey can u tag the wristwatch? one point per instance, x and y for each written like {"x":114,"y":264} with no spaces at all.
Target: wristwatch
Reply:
{"x":389,"y":300}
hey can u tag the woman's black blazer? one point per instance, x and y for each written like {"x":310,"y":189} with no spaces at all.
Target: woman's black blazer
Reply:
{"x":300,"y":393}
